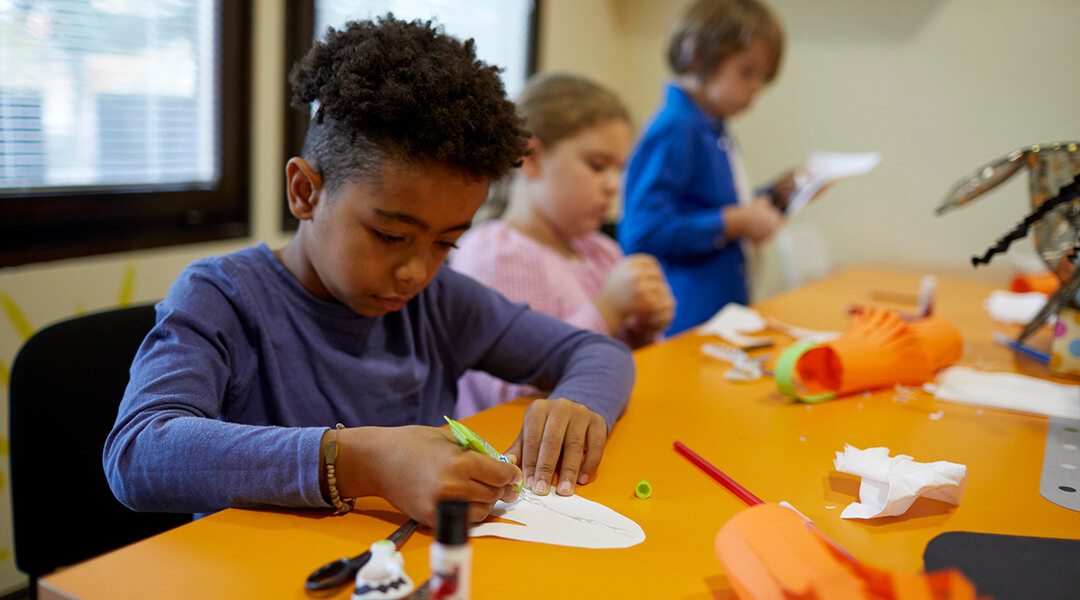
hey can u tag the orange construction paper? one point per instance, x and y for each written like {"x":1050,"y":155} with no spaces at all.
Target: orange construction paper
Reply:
{"x":768,"y":553}
{"x":880,"y":349}
{"x":1038,"y":281}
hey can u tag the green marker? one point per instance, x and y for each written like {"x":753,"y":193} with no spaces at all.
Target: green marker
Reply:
{"x":643,"y":489}
{"x":470,"y":440}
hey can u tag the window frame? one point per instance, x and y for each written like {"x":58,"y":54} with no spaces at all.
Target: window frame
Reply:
{"x":299,"y":35}
{"x":41,"y":224}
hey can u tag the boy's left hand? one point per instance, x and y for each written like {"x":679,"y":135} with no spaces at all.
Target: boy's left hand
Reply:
{"x":555,"y":428}
{"x":785,"y":186}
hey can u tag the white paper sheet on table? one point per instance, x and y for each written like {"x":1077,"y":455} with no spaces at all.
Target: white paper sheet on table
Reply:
{"x":1007,"y":391}
{"x":1012,"y":307}
{"x":823,"y":168}
{"x":562,"y":521}
{"x":891,"y":484}
{"x":733,"y":321}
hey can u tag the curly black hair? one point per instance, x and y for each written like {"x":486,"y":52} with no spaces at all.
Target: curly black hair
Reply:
{"x":401,"y":90}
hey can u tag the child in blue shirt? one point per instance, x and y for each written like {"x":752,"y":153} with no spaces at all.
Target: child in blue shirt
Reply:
{"x":684,"y":180}
{"x":256,"y":355}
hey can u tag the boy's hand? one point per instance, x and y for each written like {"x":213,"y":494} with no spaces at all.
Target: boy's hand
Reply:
{"x":784,"y":187}
{"x":414,"y":467}
{"x":757,"y":221}
{"x":634,"y":289}
{"x":559,"y":428}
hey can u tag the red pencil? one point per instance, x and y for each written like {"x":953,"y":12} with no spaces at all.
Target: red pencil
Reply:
{"x":732,"y":485}
{"x":744,"y":494}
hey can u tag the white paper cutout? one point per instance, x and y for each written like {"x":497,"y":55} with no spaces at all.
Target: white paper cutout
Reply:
{"x":1011,"y":307}
{"x":734,"y":320}
{"x":823,"y":168}
{"x":561,"y":521}
{"x":1007,"y":391}
{"x":891,"y":484}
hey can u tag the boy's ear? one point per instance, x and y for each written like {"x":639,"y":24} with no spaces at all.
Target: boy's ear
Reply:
{"x":532,"y":164}
{"x":303,"y":186}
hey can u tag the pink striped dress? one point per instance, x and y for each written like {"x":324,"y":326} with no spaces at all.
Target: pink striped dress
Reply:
{"x":524,"y":270}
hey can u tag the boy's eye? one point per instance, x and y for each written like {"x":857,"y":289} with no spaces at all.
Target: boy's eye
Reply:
{"x":448,"y":245}
{"x":387,"y":238}
{"x":597,"y":165}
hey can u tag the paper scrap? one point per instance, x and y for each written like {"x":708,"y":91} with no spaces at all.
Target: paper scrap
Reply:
{"x":1011,"y":307}
{"x":1007,"y":391}
{"x":733,"y":321}
{"x":801,"y":334}
{"x":561,"y":521}
{"x":891,"y":484}
{"x":823,"y":168}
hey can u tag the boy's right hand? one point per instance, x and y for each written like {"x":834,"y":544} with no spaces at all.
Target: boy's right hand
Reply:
{"x":635,"y":287}
{"x":757,"y":221}
{"x":414,"y":467}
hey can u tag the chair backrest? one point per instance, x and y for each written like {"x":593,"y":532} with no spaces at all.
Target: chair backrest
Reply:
{"x":66,"y":385}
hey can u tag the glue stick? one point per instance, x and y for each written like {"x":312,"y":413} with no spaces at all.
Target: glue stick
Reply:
{"x":450,"y":553}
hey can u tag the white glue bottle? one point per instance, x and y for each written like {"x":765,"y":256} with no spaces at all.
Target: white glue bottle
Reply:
{"x":451,"y":555}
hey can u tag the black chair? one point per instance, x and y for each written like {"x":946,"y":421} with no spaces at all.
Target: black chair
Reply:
{"x":66,"y":386}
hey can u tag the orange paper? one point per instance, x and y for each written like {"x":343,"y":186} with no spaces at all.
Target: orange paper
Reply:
{"x":1039,"y":281}
{"x":769,"y":552}
{"x":880,"y":349}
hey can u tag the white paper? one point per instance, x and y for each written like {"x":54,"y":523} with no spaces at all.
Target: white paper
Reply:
{"x":733,"y":321}
{"x":891,"y":484}
{"x":561,"y":521}
{"x":803,"y":335}
{"x":1012,"y":307}
{"x":1007,"y":391}
{"x":823,"y":168}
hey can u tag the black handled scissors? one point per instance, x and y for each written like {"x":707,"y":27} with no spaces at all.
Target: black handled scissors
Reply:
{"x":343,"y":570}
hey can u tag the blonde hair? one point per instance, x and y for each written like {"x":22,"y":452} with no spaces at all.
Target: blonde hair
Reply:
{"x":556,"y":106}
{"x":711,"y":31}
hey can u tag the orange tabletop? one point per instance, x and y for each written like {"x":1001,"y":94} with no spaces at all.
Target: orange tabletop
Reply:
{"x":778,"y":449}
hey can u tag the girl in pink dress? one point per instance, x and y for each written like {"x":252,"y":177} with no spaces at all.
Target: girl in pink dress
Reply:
{"x":543,"y":245}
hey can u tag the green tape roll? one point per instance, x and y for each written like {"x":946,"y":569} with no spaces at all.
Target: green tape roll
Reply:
{"x":785,"y":373}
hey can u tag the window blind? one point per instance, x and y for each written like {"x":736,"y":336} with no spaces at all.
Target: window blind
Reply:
{"x":109,"y":93}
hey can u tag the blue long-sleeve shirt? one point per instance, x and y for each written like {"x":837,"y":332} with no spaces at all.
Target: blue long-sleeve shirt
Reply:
{"x":678,"y":181}
{"x":232,"y":390}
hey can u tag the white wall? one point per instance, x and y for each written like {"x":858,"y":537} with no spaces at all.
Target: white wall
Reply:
{"x":937,"y":86}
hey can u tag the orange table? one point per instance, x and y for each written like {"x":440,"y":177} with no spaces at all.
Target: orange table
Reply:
{"x":779,"y":450}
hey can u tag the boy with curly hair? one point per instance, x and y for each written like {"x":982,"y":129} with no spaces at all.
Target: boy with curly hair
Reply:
{"x":256,"y":353}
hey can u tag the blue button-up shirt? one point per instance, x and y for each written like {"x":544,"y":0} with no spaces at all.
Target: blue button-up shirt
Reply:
{"x":678,"y":181}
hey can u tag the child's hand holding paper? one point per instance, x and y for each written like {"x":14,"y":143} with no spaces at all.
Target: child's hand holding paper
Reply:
{"x":823,"y":168}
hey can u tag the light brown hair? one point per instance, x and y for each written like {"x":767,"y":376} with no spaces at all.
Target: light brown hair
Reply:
{"x":556,"y":106}
{"x":711,"y":31}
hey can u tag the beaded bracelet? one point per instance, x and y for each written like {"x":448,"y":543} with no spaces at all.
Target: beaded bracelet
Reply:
{"x":342,"y":506}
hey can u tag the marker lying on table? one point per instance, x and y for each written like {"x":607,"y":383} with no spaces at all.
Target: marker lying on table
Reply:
{"x":744,"y":494}
{"x":468,"y":439}
{"x":1028,"y":351}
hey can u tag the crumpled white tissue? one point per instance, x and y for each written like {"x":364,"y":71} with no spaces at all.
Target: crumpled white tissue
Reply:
{"x":734,"y":320}
{"x":891,"y":484}
{"x":1012,"y":307}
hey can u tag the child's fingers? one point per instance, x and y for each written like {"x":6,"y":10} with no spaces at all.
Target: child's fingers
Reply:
{"x":572,"y":452}
{"x":478,"y":511}
{"x":528,"y":442}
{"x":595,"y":440}
{"x":550,"y":447}
{"x":492,"y":473}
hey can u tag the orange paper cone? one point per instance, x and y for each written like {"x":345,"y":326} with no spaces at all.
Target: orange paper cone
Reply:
{"x":878,"y":349}
{"x":769,"y":552}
